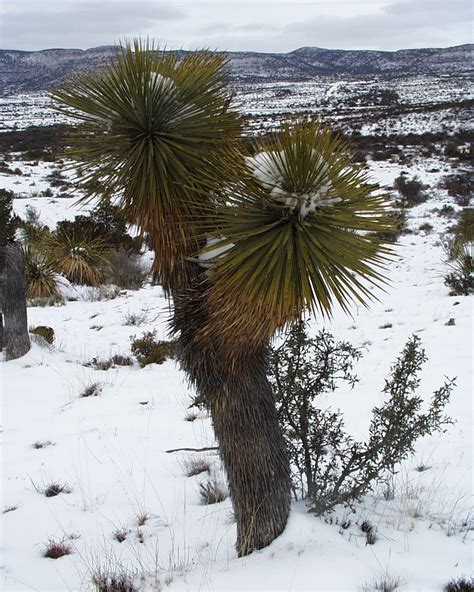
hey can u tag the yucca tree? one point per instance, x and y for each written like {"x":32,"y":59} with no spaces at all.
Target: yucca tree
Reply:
{"x":242,"y":245}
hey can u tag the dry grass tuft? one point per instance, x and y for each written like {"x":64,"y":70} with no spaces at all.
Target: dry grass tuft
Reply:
{"x":120,"y":534}
{"x":93,"y":390}
{"x":56,"y":549}
{"x":213,"y":491}
{"x":196,"y":466}
{"x":460,"y":585}
{"x":113,"y":582}
{"x":54,"y":489}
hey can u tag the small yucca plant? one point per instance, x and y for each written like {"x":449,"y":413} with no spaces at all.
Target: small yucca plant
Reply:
{"x":40,"y":275}
{"x":461,"y":265}
{"x":81,"y":259}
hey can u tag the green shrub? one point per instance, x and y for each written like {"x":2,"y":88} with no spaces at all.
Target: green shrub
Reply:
{"x":411,"y":191}
{"x":460,"y":187}
{"x":148,"y":350}
{"x":397,"y":227}
{"x":8,"y":221}
{"x":330,"y":467}
{"x":426,"y":227}
{"x":106,"y":222}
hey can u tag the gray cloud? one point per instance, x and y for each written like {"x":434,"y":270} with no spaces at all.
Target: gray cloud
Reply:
{"x":277,"y":26}
{"x":401,"y":24}
{"x":82,"y":24}
{"x":235,"y":29}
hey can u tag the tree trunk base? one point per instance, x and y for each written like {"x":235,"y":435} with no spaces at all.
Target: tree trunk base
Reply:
{"x":243,"y":411}
{"x":255,"y":458}
{"x":14,"y":330}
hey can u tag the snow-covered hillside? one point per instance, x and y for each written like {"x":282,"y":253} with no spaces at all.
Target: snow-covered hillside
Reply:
{"x":26,"y":71}
{"x":109,"y":451}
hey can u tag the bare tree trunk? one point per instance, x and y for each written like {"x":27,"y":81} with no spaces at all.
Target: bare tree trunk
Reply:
{"x":243,"y":411}
{"x":15,"y":336}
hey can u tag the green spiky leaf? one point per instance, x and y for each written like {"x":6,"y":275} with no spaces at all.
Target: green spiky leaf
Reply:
{"x":299,"y":234}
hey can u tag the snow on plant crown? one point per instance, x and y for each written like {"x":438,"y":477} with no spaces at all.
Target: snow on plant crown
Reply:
{"x":269,"y":169}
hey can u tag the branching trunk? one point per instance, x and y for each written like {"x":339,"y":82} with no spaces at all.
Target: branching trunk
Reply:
{"x":13,"y":301}
{"x":243,"y":411}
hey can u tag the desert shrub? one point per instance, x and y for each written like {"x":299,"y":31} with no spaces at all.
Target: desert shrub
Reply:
{"x":57,"y":179}
{"x":7,"y":219}
{"x":120,"y":534}
{"x":46,"y":333}
{"x":397,"y":226}
{"x":455,"y":149}
{"x":32,"y":215}
{"x":460,"y":187}
{"x":31,"y":230}
{"x":426,"y":227}
{"x":106,"y":222}
{"x":461,"y":584}
{"x":91,"y":390}
{"x":127,"y":271}
{"x":380,"y":155}
{"x":195,"y":466}
{"x":300,"y":370}
{"x":148,"y":350}
{"x":54,"y":489}
{"x":447,"y":211}
{"x":114,"y":581}
{"x":40,"y":276}
{"x":42,"y":138}
{"x":136,"y":319}
{"x":56,"y":549}
{"x":106,"y":364}
{"x":5,"y":168}
{"x":330,"y":467}
{"x":411,"y":191}
{"x":370,"y":532}
{"x":387,"y":583}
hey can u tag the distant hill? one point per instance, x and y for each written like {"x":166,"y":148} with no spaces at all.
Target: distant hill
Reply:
{"x":25,"y":71}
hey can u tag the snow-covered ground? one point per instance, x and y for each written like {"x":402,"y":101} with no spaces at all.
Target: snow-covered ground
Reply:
{"x":110,"y":450}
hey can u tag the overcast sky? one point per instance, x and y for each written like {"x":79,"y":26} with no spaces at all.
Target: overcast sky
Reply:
{"x":234,"y":26}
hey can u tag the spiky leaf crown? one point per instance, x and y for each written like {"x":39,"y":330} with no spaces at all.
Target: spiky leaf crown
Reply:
{"x":299,"y":232}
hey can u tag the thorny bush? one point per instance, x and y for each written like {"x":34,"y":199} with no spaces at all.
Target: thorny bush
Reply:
{"x":329,"y":466}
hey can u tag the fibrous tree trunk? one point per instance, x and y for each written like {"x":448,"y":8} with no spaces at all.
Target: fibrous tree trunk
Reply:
{"x":243,"y":412}
{"x":15,"y":336}
{"x":254,"y":456}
